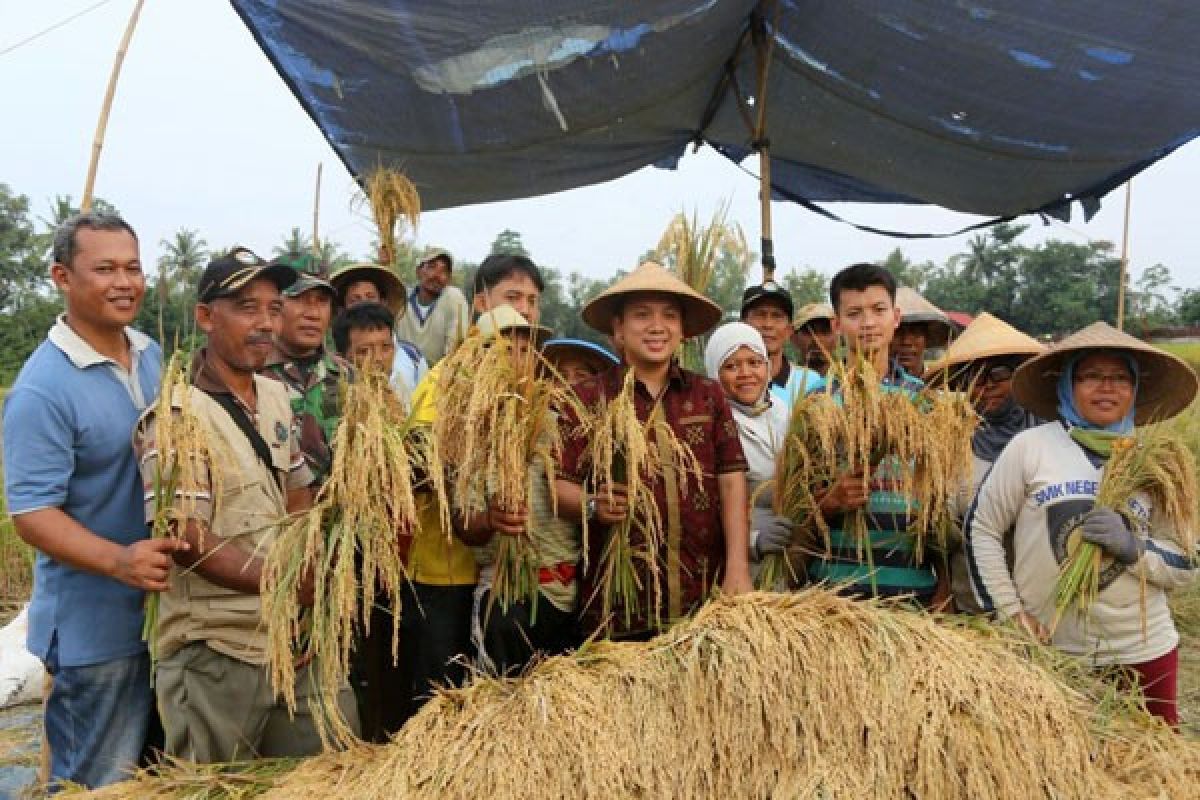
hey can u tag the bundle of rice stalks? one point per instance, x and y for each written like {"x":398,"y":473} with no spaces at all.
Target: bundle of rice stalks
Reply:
{"x":350,"y":545}
{"x":188,"y":468}
{"x":921,"y":444}
{"x":806,"y":695}
{"x":495,"y":418}
{"x":1153,"y":462}
{"x":391,"y":197}
{"x":623,"y":450}
{"x":177,"y":779}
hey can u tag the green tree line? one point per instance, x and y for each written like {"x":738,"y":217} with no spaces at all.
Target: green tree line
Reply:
{"x":1044,"y":289}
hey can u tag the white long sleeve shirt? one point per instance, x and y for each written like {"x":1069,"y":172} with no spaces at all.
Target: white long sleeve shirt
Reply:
{"x":1042,"y":484}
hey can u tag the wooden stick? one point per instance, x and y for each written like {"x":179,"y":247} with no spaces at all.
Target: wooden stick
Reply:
{"x":102,"y":124}
{"x":1124,"y":259}
{"x":764,"y":51}
{"x":317,"y":215}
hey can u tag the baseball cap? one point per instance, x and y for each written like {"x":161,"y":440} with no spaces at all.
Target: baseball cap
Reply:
{"x":769,"y":290}
{"x":226,"y":275}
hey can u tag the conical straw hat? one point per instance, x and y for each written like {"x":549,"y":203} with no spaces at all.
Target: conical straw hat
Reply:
{"x":1166,"y":384}
{"x":700,"y":314}
{"x":986,"y":337}
{"x":392,"y":287}
{"x":915,"y":308}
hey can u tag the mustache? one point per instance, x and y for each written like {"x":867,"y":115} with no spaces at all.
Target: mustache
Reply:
{"x":259,"y":338}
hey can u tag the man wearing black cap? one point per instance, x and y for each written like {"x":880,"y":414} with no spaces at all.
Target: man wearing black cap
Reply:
{"x":213,"y":689}
{"x":768,"y":309}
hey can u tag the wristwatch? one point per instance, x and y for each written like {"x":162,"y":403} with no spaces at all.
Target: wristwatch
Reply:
{"x":589,"y":509}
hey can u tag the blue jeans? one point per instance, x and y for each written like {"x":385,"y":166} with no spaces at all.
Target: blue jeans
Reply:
{"x":97,"y":719}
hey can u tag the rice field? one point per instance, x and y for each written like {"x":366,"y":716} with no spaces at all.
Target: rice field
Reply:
{"x":16,"y":558}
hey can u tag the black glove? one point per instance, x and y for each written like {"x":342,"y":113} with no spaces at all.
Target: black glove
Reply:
{"x":1107,"y":529}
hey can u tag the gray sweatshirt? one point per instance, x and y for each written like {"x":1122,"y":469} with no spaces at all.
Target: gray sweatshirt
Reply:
{"x":1041,"y":485}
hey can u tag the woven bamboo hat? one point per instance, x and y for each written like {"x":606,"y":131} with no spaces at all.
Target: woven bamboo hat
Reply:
{"x":811,"y":312}
{"x":985,"y":337}
{"x":914,"y":309}
{"x":1166,"y":384}
{"x":389,"y":283}
{"x":505,"y":318}
{"x":700,"y":315}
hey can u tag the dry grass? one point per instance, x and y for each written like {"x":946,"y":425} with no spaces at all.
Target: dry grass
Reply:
{"x":391,"y":197}
{"x":806,"y":695}
{"x":922,"y":444}
{"x":188,"y":467}
{"x":496,"y":404}
{"x":351,"y":545}
{"x":1153,"y":462}
{"x":623,"y":450}
{"x":16,"y":557}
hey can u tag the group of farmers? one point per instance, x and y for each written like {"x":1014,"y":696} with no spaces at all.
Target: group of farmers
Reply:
{"x":282,"y":338}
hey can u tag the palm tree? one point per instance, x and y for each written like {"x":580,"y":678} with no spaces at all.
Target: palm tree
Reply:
{"x":185,"y":254}
{"x":294,"y":247}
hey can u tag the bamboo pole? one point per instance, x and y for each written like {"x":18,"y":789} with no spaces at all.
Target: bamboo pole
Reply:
{"x":764,"y":49}
{"x":106,"y":108}
{"x":317,"y":216}
{"x":1124,"y":259}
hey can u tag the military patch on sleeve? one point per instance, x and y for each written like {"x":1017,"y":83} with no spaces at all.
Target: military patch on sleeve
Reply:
{"x":281,"y":432}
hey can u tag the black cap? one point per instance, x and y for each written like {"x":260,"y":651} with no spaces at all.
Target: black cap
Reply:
{"x":768,"y":291}
{"x":226,"y":275}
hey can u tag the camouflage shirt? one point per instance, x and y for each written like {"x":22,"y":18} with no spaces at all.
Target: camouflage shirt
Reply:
{"x":315,"y":388}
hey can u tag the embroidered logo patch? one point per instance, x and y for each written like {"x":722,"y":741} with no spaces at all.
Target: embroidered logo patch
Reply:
{"x":281,"y":432}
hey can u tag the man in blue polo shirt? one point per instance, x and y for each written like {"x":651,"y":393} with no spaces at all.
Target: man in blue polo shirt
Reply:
{"x":73,"y":488}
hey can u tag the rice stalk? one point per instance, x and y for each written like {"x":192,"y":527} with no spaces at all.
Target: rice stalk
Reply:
{"x":178,"y":779}
{"x":351,"y":545}
{"x":920,"y":444}
{"x":496,"y":417}
{"x":1154,"y":462}
{"x":624,"y":450}
{"x":392,"y":197}
{"x":186,"y":470}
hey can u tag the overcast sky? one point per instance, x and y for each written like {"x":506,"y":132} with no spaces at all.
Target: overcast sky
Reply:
{"x":204,"y":134}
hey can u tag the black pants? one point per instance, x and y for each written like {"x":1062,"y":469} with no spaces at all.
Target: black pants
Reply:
{"x":512,"y":636}
{"x":435,"y":639}
{"x":378,"y":681}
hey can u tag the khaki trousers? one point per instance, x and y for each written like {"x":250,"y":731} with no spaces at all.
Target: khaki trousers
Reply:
{"x":217,"y":709}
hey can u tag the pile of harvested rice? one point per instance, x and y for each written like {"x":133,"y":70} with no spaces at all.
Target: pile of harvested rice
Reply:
{"x":805,"y":695}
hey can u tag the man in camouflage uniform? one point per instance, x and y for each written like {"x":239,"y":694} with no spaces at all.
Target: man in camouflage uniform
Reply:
{"x":312,"y":372}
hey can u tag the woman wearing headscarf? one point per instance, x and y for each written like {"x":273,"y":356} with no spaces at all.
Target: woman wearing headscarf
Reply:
{"x":981,"y":361}
{"x":736,"y":358}
{"x":1096,"y":385}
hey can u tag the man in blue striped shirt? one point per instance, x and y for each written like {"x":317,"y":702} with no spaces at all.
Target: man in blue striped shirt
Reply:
{"x":866,"y":317}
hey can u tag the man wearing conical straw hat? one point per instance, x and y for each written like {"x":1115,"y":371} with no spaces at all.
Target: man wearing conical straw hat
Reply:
{"x":1047,"y":486}
{"x":922,"y":326}
{"x":651,"y":312}
{"x":981,"y":361}
{"x":212,"y":683}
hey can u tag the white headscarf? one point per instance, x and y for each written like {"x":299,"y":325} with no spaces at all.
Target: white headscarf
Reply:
{"x":761,"y":427}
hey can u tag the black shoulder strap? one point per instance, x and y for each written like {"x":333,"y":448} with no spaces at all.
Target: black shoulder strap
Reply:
{"x":246,"y":426}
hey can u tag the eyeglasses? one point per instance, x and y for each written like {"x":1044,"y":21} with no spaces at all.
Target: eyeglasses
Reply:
{"x":983,"y":376}
{"x":1094,"y":380}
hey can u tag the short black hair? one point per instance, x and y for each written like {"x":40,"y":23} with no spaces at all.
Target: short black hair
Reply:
{"x":66,"y":240}
{"x":360,"y":317}
{"x":858,"y":278}
{"x":499,"y":266}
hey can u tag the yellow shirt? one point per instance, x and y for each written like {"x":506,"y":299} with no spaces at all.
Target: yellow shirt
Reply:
{"x":437,"y":556}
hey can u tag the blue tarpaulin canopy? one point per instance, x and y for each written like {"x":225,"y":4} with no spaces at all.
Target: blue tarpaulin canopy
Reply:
{"x":995,"y":108}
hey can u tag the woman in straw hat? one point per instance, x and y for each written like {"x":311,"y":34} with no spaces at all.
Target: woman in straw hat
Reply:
{"x":651,"y":312}
{"x":736,"y":358}
{"x":1096,"y":385}
{"x":981,"y":361}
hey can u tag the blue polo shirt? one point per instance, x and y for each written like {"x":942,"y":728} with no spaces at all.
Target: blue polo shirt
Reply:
{"x":68,"y":425}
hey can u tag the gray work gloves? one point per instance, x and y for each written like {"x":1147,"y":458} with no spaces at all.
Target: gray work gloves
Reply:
{"x":1107,"y":529}
{"x":769,"y":533}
